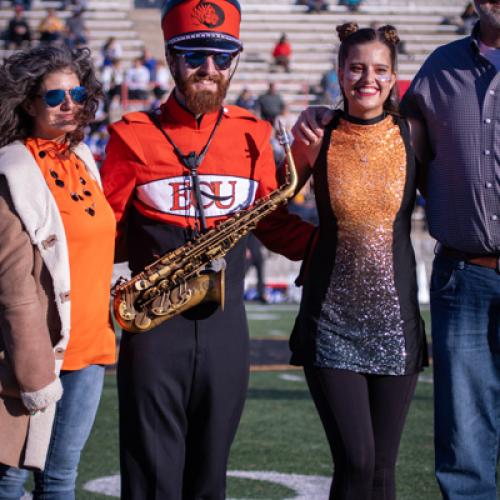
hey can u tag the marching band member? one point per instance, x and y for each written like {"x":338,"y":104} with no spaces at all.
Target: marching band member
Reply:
{"x":168,"y":176}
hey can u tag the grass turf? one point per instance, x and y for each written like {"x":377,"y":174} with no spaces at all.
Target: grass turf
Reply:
{"x":279,"y":431}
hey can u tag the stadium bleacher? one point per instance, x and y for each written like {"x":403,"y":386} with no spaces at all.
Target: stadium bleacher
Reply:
{"x":313,"y":38}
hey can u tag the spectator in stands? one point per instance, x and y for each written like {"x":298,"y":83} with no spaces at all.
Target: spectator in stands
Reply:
{"x":277,"y":146}
{"x":51,"y":28}
{"x":359,"y":334}
{"x":352,"y":5}
{"x":25,"y":4}
{"x":330,"y":87}
{"x":161,"y":83}
{"x":112,"y":78}
{"x":270,"y":104}
{"x":111,"y":50}
{"x":76,"y":34}
{"x":137,"y":79}
{"x":287,"y":118}
{"x":304,"y":204}
{"x":469,"y":18}
{"x":97,"y":142}
{"x":317,"y":6}
{"x":282,"y":52}
{"x":74,"y":4}
{"x":150,"y":63}
{"x":246,"y":100}
{"x":18,"y":33}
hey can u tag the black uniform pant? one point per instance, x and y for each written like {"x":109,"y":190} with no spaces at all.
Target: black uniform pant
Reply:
{"x":181,"y":388}
{"x":363,"y":417}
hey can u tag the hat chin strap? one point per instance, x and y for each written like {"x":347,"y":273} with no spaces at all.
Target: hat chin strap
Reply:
{"x":235,"y":66}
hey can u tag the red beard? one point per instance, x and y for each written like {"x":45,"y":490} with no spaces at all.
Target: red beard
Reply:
{"x":204,"y":101}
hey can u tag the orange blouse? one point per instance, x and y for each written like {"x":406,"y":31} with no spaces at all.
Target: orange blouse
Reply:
{"x":89,"y":225}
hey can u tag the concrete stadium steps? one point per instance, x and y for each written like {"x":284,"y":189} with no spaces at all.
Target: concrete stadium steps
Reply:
{"x":296,"y":23}
{"x":317,"y":36}
{"x":299,"y":69}
{"x":261,"y":51}
{"x":365,"y":10}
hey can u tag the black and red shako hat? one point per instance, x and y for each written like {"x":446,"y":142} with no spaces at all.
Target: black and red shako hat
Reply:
{"x":202,"y":25}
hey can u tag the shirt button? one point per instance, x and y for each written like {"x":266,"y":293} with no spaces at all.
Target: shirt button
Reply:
{"x":486,"y":152}
{"x":489,"y":185}
{"x":492,"y":92}
{"x":487,"y":120}
{"x":494,"y":217}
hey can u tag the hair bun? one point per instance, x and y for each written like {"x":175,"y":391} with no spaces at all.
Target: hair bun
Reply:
{"x":346,"y":29}
{"x":390,"y":34}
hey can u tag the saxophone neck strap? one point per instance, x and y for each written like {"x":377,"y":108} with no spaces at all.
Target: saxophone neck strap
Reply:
{"x":191,"y":161}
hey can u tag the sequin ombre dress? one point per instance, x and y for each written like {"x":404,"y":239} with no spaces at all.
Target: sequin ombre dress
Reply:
{"x":362,"y":314}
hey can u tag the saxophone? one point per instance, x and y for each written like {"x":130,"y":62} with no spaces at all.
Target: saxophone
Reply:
{"x":193,"y":273}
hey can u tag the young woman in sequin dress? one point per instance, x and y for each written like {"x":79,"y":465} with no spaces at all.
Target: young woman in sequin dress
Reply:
{"x":359,"y":334}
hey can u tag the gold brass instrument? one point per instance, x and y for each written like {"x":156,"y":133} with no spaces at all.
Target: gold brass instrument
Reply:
{"x":193,"y":273}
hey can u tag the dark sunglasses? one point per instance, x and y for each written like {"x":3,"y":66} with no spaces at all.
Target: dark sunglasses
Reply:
{"x":55,"y":97}
{"x":197,"y":58}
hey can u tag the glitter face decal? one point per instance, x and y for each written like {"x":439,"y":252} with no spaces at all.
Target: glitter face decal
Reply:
{"x":360,"y":326}
{"x":354,"y":75}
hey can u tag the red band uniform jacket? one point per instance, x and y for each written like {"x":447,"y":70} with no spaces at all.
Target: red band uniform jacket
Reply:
{"x":150,"y":190}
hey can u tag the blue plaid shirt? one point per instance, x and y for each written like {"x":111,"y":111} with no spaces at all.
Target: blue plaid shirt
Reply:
{"x":456,"y":94}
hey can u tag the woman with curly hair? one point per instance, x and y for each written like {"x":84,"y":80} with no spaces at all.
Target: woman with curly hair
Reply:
{"x":359,"y":334}
{"x":56,"y":258}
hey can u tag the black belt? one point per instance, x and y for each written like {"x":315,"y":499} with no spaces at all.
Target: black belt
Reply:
{"x":491,"y":261}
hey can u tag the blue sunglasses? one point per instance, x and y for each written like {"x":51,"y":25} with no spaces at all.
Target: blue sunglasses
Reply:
{"x":196,"y":58}
{"x":55,"y":97}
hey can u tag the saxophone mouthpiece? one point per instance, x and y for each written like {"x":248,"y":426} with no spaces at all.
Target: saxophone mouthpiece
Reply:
{"x":283,"y":134}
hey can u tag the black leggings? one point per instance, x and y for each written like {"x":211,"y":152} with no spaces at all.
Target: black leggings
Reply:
{"x":363,"y":417}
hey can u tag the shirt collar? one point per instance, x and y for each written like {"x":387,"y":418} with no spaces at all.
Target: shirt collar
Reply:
{"x":173,"y":111}
{"x":474,"y":38}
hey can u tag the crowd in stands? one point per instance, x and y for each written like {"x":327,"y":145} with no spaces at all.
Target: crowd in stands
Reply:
{"x":141,"y":85}
{"x":145,"y":83}
{"x":51,"y":29}
{"x":317,"y":6}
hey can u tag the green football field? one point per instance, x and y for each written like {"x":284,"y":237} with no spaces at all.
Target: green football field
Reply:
{"x":280,"y":450}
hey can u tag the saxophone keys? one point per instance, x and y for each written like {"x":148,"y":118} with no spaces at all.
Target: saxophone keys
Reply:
{"x":162,"y":305}
{"x":141,"y":285}
{"x":125,"y":312}
{"x":142,"y":321}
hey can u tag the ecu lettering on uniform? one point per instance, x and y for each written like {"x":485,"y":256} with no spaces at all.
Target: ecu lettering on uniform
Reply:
{"x":221,"y":195}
